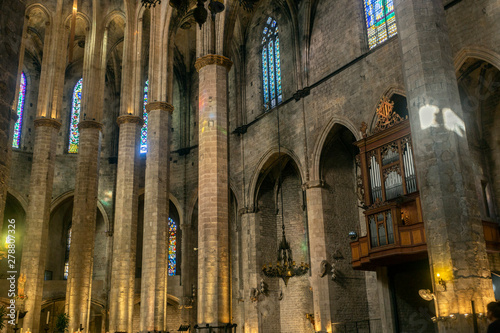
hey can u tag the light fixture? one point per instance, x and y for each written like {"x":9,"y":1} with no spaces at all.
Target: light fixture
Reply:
{"x":285,"y":266}
{"x":441,"y":282}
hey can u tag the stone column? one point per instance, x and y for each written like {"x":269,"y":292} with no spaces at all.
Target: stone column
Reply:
{"x":317,"y":241}
{"x":37,"y":220}
{"x":156,"y":204}
{"x":81,"y":256}
{"x":213,"y":195}
{"x":251,"y":270}
{"x":454,"y":232}
{"x":125,"y":226}
{"x":385,"y":301}
{"x":12,"y":25}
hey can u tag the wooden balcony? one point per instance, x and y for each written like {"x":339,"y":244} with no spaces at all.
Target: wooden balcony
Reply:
{"x":410,"y":244}
{"x":492,"y":236}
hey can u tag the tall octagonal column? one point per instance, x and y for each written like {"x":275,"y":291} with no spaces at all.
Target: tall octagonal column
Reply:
{"x":81,"y":256}
{"x":125,"y":226}
{"x":213,"y":194}
{"x":37,"y":220}
{"x":453,"y":227}
{"x":156,"y":204}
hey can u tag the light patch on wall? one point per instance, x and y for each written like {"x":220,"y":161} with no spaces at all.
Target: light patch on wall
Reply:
{"x":452,"y":122}
{"x":427,"y":114}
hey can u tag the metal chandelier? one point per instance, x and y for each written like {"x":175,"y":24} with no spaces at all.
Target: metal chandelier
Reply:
{"x":285,"y":267}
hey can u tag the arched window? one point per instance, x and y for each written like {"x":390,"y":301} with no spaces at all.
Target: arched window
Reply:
{"x":144,"y":129}
{"x":66,"y":256}
{"x":271,"y":65}
{"x":16,"y":141}
{"x":172,"y":247}
{"x":380,"y":21}
{"x":74,"y":134}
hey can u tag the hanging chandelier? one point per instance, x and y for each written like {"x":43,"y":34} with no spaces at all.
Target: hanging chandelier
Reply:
{"x":200,"y":14}
{"x":285,"y":267}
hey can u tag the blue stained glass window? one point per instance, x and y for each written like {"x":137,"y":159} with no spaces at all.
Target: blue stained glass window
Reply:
{"x":16,"y":141}
{"x":172,"y":247}
{"x":74,"y":134}
{"x":271,"y":65}
{"x":144,"y":129}
{"x":380,"y":21}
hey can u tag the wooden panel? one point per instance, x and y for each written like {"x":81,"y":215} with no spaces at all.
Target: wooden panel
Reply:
{"x":364,"y":249}
{"x":355,"y":251}
{"x":417,"y":236}
{"x":405,"y":238}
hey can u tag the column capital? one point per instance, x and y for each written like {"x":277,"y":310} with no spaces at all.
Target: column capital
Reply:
{"x":130,"y":119}
{"x":90,"y":124}
{"x":47,"y":122}
{"x":162,"y":106}
{"x":213,"y":59}
{"x":313,"y":184}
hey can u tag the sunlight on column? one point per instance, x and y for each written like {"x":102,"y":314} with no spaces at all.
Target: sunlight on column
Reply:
{"x":427,"y":115}
{"x":452,"y":122}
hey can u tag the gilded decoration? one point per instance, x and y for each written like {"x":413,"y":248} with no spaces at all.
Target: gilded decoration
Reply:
{"x":387,"y":117}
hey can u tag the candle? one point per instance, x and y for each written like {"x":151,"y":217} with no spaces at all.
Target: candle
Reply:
{"x":17,"y":316}
{"x":48,"y":316}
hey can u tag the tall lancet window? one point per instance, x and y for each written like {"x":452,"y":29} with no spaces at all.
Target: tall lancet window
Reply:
{"x":66,"y":256}
{"x":380,"y":21}
{"x":74,"y":134}
{"x":271,"y":65}
{"x":16,"y":141}
{"x":144,"y":129}
{"x":172,"y":247}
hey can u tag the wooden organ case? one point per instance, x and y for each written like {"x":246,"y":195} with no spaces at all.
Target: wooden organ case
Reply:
{"x":388,"y":190}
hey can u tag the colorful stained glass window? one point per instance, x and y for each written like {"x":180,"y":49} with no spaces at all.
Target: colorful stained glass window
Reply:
{"x":74,"y":134}
{"x":16,"y":141}
{"x":380,"y":21}
{"x":144,"y":129}
{"x":271,"y":65}
{"x":66,"y":257}
{"x":172,"y":247}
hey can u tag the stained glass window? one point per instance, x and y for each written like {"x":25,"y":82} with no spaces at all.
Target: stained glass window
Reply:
{"x":271,"y":65}
{"x":172,"y":247}
{"x":16,"y":141}
{"x":66,"y":257}
{"x":74,"y":134}
{"x":144,"y":129}
{"x":380,"y":21}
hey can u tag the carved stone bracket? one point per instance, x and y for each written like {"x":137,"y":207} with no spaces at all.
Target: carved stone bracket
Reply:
{"x":162,"y":106}
{"x":313,"y":184}
{"x":213,"y":59}
{"x":130,"y":119}
{"x":47,"y":122}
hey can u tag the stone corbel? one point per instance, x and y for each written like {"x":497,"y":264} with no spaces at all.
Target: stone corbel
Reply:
{"x":313,"y":184}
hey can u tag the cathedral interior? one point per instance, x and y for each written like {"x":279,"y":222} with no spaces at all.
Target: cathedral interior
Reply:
{"x":272,"y":166}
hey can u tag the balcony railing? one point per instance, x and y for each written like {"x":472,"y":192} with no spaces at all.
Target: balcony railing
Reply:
{"x":409,"y":244}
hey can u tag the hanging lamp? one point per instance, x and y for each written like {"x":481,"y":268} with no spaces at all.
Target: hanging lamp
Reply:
{"x":285,"y":267}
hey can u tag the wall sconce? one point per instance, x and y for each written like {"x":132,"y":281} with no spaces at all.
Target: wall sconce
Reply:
{"x":441,"y":282}
{"x":310,"y":316}
{"x":353,"y":235}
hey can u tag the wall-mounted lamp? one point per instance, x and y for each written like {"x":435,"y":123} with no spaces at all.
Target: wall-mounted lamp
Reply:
{"x":441,"y":282}
{"x":353,"y":235}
